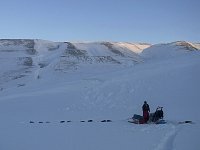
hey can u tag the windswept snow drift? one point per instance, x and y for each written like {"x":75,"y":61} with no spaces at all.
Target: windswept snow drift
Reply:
{"x":49,"y":82}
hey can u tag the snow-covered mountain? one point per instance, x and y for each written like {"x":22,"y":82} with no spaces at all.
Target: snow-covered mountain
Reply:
{"x":50,"y":90}
{"x":169,"y":50}
{"x":21,"y":58}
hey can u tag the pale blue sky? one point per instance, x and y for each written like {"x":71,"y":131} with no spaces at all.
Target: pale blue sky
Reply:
{"x":150,"y":21}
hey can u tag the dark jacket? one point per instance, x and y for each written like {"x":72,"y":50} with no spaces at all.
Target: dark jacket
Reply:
{"x":145,"y":107}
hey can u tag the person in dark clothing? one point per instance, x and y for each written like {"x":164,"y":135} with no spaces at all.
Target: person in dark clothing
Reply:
{"x":146,"y":110}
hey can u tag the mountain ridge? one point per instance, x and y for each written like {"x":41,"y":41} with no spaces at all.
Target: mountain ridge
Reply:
{"x":31,"y":57}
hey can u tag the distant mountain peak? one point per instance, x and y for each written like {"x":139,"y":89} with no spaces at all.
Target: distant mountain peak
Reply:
{"x":186,"y":45}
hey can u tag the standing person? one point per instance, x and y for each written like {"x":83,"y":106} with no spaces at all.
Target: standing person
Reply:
{"x":146,"y":110}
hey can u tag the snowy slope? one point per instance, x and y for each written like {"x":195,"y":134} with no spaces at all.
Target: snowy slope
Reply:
{"x":97,"y":81}
{"x":169,"y":50}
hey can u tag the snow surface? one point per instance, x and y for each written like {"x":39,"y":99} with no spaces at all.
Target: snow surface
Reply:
{"x":99,"y":81}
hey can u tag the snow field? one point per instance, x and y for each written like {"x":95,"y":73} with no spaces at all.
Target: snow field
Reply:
{"x":109,"y":91}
